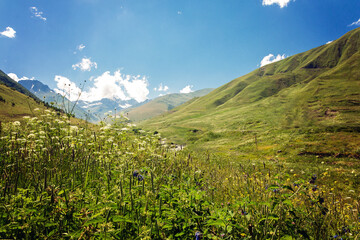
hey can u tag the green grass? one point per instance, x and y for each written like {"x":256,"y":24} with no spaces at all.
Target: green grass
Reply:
{"x":271,"y":155}
{"x":64,"y":181}
{"x":313,"y":93}
{"x":16,"y":105}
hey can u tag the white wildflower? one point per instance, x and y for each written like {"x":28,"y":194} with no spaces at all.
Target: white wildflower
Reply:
{"x":16,"y":123}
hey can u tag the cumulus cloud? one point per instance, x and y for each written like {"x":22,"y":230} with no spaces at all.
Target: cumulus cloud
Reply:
{"x":187,"y":89}
{"x":16,"y":78}
{"x":67,"y":88}
{"x":112,"y":86}
{"x":106,"y":86}
{"x":36,"y":13}
{"x":9,"y":32}
{"x":357,"y":23}
{"x":161,"y":88}
{"x":281,"y":3}
{"x":271,"y":59}
{"x":85,"y":65}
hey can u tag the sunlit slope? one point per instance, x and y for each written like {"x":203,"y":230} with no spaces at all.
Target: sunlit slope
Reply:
{"x":9,"y":82}
{"x":163,"y":104}
{"x":14,"y":105}
{"x":318,"y":90}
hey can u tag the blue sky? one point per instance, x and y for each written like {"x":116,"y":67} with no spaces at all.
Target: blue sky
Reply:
{"x":138,"y":49}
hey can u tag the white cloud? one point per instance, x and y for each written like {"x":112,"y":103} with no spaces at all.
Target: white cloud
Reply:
{"x":126,"y":105}
{"x":80,"y":47}
{"x":106,"y":86}
{"x":161,"y":88}
{"x":357,"y":23}
{"x":179,"y":12}
{"x":9,"y":32}
{"x":112,"y":86}
{"x":85,"y":65}
{"x":187,"y":89}
{"x":136,"y":87}
{"x":16,"y":78}
{"x":37,"y":13}
{"x":271,"y":59}
{"x":329,"y":42}
{"x":281,"y":3}
{"x":67,"y":88}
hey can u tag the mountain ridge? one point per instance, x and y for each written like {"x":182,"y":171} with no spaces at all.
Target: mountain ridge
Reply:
{"x":162,"y":104}
{"x":315,"y":90}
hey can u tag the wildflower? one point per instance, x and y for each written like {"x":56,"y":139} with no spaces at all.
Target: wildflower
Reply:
{"x":345,"y":229}
{"x":198,"y":235}
{"x":73,"y":128}
{"x":243,"y":212}
{"x":276,"y":190}
{"x":315,"y":188}
{"x":140,"y":177}
{"x":313,"y":179}
{"x":16,"y":123}
{"x":31,"y":135}
{"x":135,"y":173}
{"x":296,"y":185}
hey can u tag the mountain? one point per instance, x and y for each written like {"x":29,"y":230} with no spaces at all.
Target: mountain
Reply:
{"x":35,"y":86}
{"x":162,"y":104}
{"x":9,"y":82}
{"x":106,"y":106}
{"x":43,"y":92}
{"x":307,"y":103}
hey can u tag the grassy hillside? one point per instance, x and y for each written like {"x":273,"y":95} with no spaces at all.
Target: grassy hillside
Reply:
{"x":65,"y":181}
{"x":7,"y":81}
{"x":162,"y":104}
{"x":14,"y":105}
{"x":306,"y":104}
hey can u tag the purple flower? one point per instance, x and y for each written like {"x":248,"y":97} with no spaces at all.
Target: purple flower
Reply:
{"x":140,"y":178}
{"x":198,"y":235}
{"x":135,"y":173}
{"x":313,"y":179}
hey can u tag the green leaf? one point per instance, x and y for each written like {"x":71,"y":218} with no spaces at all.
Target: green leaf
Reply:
{"x":179,"y":234}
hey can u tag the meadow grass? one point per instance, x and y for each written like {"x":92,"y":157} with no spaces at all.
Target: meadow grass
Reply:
{"x":65,"y":181}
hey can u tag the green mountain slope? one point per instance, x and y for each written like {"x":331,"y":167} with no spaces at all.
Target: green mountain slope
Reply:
{"x":310,"y":100}
{"x":162,"y":104}
{"x":7,"y":81}
{"x":15,"y":105}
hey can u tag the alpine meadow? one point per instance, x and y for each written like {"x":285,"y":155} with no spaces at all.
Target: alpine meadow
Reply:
{"x":273,"y":154}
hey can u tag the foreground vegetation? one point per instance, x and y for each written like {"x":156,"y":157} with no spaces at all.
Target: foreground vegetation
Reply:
{"x":63,"y":181}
